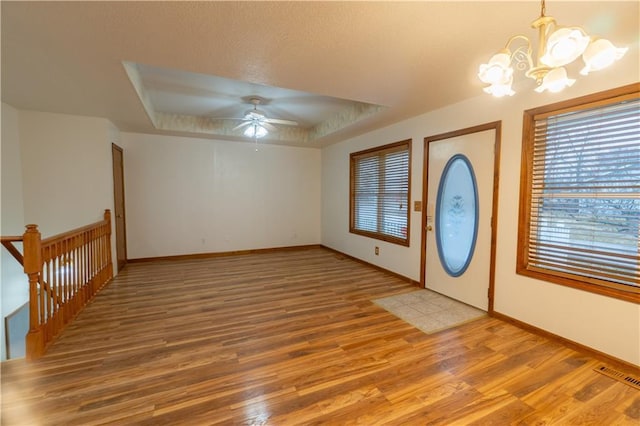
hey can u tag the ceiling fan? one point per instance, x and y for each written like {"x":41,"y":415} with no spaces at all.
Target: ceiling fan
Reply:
{"x":256,"y":123}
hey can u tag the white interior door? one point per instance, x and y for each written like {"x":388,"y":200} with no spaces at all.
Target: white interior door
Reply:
{"x":459,"y":208}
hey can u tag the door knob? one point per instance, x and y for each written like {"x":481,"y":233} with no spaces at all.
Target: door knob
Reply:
{"x":429,"y":228}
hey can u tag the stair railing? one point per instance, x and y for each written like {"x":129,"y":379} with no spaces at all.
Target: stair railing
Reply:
{"x":65,"y":272}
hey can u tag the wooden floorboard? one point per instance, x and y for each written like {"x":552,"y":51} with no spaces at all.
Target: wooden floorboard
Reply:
{"x":293,"y":337}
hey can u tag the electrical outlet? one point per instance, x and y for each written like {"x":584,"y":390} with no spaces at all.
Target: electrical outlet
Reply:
{"x":377,"y":250}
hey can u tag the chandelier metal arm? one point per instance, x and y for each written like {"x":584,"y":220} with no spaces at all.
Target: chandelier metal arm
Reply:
{"x":522,"y":55}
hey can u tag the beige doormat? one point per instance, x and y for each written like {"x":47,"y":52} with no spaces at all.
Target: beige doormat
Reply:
{"x":429,"y":311}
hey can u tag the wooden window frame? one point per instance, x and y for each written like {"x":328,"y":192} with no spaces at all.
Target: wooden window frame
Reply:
{"x":593,"y":285}
{"x":373,"y":152}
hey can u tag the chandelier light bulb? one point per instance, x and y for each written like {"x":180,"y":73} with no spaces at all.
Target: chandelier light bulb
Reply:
{"x":564,"y":46}
{"x":501,"y":89}
{"x":555,"y":81}
{"x":498,"y":70}
{"x":600,"y":54}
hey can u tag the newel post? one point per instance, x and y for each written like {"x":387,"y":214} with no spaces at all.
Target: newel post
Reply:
{"x":33,"y":268}
{"x":107,"y":217}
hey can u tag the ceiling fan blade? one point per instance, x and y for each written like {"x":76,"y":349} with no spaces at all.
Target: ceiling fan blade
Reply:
{"x":241,"y":125}
{"x":268,"y":126}
{"x":280,"y":121}
{"x":228,"y":118}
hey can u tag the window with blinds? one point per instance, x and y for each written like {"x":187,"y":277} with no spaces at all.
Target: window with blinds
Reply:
{"x":379,"y":192}
{"x":580,"y":200}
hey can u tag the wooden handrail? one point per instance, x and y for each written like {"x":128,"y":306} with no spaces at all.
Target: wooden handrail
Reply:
{"x":65,"y":235}
{"x":7,"y":242}
{"x":65,"y":272}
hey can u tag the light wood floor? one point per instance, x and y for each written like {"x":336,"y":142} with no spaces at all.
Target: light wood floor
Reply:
{"x":293,"y":338}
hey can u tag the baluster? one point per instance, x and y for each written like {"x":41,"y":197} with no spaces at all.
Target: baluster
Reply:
{"x":65,"y":276}
{"x":101,"y":259}
{"x":100,"y":256}
{"x":61,"y":283}
{"x":93,"y":257}
{"x":85,"y":247}
{"x":43,"y":290}
{"x":68,"y":289}
{"x":54,"y":289}
{"x":64,"y":289}
{"x":43,"y":302}
{"x":78,"y":268}
{"x":56,"y":286}
{"x":109,"y":263}
{"x":77,"y":295}
{"x":87,"y":259}
{"x":69,"y":278}
{"x":76,"y":257}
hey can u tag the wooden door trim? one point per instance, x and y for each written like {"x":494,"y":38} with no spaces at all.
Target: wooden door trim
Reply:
{"x":114,"y":148}
{"x":497,"y":127}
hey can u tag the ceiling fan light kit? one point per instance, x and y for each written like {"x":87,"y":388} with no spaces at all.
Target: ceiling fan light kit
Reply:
{"x":255,"y":131}
{"x":557,"y":47}
{"x":256,"y":124}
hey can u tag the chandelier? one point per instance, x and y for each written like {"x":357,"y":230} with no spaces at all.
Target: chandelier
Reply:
{"x":557,"y":46}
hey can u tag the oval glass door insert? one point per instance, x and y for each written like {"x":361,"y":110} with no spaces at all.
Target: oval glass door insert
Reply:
{"x":456,"y":215}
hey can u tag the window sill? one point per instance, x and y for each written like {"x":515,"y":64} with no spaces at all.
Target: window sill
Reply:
{"x":616,"y":291}
{"x":381,"y":237}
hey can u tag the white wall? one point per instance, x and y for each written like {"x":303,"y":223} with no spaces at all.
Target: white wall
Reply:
{"x":14,"y":288}
{"x":66,"y":169}
{"x":188,"y":195}
{"x":605,"y":324}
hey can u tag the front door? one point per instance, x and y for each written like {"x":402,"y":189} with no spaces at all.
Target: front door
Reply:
{"x":459,"y":253}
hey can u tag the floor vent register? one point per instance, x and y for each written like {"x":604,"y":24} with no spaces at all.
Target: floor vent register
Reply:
{"x":634,"y":382}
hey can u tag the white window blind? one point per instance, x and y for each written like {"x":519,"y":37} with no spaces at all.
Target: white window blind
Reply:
{"x":380,"y":192}
{"x":585,"y":194}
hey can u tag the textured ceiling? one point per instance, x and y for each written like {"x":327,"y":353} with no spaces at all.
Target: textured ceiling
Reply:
{"x":410,"y":57}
